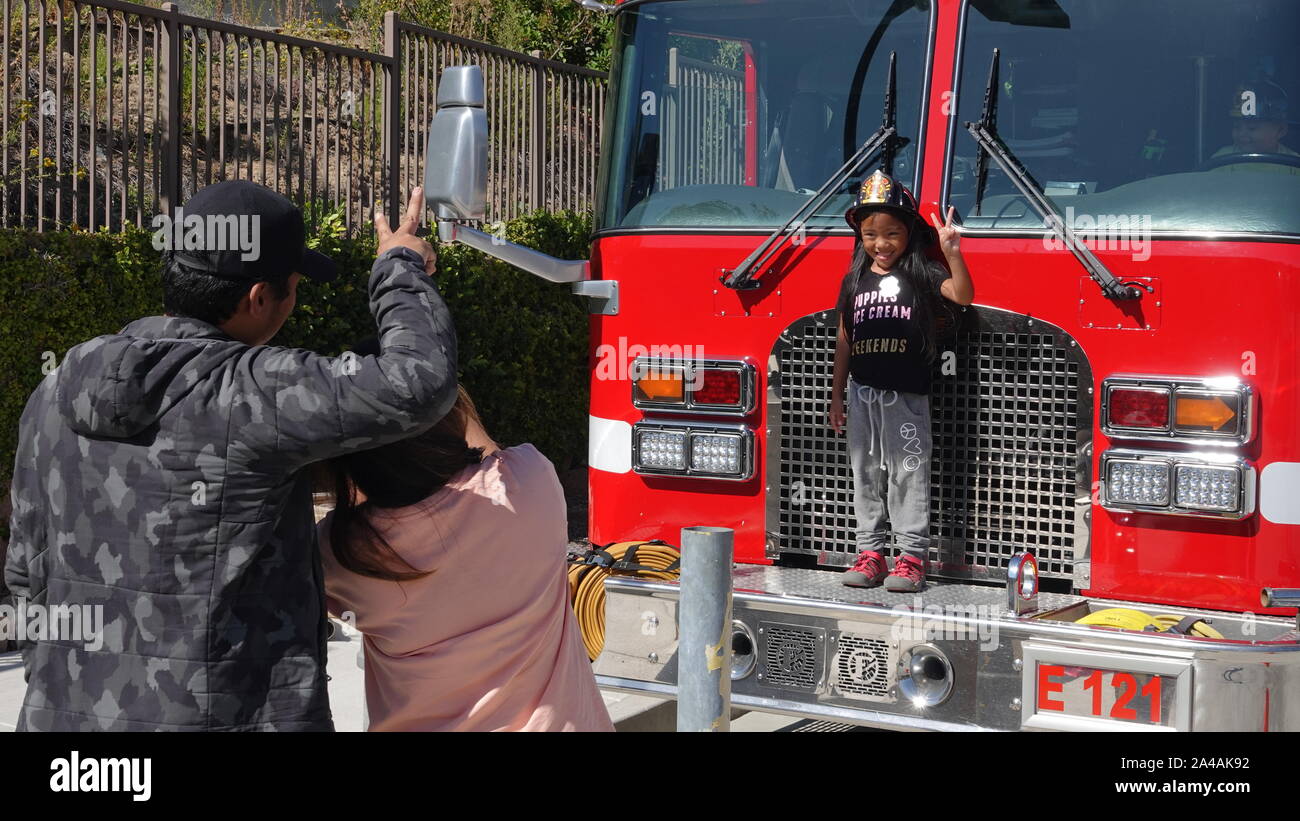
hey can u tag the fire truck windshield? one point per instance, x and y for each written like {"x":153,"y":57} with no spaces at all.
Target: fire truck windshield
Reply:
{"x":731,"y":113}
{"x":1166,"y":115}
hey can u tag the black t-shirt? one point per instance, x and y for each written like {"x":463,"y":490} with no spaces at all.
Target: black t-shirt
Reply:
{"x":885,"y":349}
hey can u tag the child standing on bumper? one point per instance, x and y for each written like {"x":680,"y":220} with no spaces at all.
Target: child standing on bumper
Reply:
{"x":884,"y":350}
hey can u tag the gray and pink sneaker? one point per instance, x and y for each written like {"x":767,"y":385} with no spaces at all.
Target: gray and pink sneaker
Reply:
{"x":908,"y":575}
{"x":868,"y":571}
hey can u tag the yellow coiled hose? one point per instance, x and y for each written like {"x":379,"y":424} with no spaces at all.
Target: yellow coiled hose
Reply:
{"x":1126,"y":619}
{"x":587,"y":573}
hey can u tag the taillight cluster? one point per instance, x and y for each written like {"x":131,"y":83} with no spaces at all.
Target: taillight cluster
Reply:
{"x":718,"y":387}
{"x":1206,"y":411}
{"x":693,"y":448}
{"x":1216,"y":412}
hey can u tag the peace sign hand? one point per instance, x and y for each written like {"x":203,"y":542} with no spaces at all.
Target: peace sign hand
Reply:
{"x":949,"y":238}
{"x":405,"y":236}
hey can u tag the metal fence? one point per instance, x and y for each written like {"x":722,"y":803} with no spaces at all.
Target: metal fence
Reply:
{"x":703,"y":124}
{"x":544,"y":118}
{"x":113,"y":113}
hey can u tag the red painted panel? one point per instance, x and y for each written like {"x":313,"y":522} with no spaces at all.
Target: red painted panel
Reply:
{"x":1225,"y":309}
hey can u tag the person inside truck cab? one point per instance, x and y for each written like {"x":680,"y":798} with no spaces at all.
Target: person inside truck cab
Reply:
{"x":806,"y":132}
{"x":1259,"y":116}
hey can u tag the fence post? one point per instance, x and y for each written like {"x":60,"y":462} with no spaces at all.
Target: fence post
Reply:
{"x":393,"y":118}
{"x":537,"y":145}
{"x":170,"y":194}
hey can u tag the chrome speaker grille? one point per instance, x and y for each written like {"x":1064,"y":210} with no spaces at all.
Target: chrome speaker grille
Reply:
{"x":792,"y":656}
{"x":1011,"y":414}
{"x":862,"y":666}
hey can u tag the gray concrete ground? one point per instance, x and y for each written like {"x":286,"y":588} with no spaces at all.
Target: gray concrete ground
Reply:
{"x":347,"y":688}
{"x":347,"y":698}
{"x":12,"y":688}
{"x":629,"y":713}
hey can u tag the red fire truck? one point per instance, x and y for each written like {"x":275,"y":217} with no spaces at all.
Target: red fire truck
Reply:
{"x":1115,"y":506}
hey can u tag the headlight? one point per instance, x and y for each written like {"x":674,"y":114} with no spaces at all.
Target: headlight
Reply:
{"x":1139,"y":483}
{"x":703,"y":451}
{"x":1207,"y":488}
{"x":1219,"y":486}
{"x":661,"y":449}
{"x":716,"y":452}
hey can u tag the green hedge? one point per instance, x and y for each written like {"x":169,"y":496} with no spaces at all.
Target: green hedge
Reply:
{"x":523,"y":341}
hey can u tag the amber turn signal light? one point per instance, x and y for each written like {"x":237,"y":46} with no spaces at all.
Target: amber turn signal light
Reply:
{"x":661,"y":386}
{"x":1197,"y":411}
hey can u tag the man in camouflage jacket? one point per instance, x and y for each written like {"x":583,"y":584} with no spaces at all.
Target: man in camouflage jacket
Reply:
{"x":162,"y":475}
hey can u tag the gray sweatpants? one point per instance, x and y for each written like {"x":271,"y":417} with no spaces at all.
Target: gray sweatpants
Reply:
{"x":889,"y":449}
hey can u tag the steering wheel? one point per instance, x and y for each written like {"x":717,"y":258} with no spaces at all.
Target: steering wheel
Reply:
{"x":1234,"y":159}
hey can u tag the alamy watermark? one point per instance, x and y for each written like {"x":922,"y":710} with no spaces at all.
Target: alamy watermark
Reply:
{"x":72,"y":773}
{"x":616,"y":362}
{"x":970,"y":622}
{"x":27,"y":621}
{"x":208,"y":232}
{"x":1103,"y":232}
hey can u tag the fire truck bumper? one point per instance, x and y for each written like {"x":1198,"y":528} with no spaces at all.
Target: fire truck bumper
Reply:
{"x":954,"y":658}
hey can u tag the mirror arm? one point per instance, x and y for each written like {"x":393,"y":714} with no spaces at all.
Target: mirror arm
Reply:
{"x":534,"y":262}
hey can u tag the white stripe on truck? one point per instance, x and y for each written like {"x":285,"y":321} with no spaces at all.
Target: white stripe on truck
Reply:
{"x":1279,"y":493}
{"x":609,"y":445}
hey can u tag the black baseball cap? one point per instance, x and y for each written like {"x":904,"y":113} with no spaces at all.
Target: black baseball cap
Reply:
{"x":269,"y":236}
{"x":1270,"y":102}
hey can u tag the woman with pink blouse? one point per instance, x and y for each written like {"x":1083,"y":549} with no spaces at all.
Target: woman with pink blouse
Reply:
{"x":449,"y":551}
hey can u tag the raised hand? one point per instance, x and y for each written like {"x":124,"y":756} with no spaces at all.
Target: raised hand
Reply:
{"x":957,"y":288}
{"x":949,"y":238}
{"x":405,"y":234}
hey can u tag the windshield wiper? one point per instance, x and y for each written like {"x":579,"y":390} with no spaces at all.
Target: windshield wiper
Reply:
{"x":885,"y":139}
{"x":986,"y":134}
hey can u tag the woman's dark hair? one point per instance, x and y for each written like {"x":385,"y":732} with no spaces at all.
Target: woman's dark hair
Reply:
{"x":912,"y":266}
{"x":193,"y":293}
{"x":392,"y":476}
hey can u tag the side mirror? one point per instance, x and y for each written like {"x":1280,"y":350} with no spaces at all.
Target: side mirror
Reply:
{"x":456,"y":156}
{"x":455,"y":187}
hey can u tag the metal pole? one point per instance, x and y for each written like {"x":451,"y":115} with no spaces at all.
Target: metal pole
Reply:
{"x":393,"y":148}
{"x":170,"y":58}
{"x":704,"y":649}
{"x":537,"y":145}
{"x":1200,"y":109}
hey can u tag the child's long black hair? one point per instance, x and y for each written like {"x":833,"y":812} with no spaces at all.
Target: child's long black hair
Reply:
{"x":912,"y":266}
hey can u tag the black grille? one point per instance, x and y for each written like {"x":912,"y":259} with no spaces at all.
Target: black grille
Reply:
{"x":792,"y":657}
{"x":1009,"y":406}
